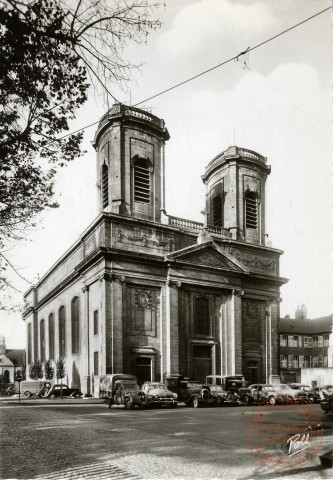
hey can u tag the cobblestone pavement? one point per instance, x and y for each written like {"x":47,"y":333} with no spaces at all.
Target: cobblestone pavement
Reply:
{"x":89,"y":442}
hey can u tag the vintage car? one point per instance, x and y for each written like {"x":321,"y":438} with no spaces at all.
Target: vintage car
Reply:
{"x":229,"y":383}
{"x":191,"y":392}
{"x":314,"y":395}
{"x":63,"y":390}
{"x":157,"y":394}
{"x":284,"y":394}
{"x":256,"y":393}
{"x":224,"y":398}
{"x":120,"y":389}
{"x":326,"y":402}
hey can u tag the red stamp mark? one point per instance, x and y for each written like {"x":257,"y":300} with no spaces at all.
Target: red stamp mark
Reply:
{"x":284,"y":437}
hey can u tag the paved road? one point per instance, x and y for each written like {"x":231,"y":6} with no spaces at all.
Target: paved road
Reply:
{"x":72,"y":441}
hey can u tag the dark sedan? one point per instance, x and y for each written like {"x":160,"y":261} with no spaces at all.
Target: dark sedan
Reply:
{"x":63,"y":390}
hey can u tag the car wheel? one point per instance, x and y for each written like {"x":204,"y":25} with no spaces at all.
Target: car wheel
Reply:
{"x":107,"y":404}
{"x":52,"y":396}
{"x":271,"y":401}
{"x":311,"y":399}
{"x":195,"y":402}
{"x":27,"y":394}
{"x":77,"y":395}
{"x":129,"y":405}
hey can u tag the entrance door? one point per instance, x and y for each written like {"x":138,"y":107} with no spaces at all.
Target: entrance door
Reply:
{"x":252,"y":370}
{"x":143,"y":370}
{"x":201,"y":362}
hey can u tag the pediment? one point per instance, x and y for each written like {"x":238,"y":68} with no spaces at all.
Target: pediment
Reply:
{"x":206,"y":255}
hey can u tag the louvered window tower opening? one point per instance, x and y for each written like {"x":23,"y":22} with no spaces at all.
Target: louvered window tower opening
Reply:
{"x":217,"y":211}
{"x":251,"y":211}
{"x":105,"y":186}
{"x":141,"y":182}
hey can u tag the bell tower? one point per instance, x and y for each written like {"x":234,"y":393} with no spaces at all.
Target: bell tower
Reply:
{"x":235,"y":199}
{"x":130,"y":163}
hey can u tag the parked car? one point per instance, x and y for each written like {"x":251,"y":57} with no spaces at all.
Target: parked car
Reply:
{"x":284,"y":393}
{"x":223,"y":397}
{"x":314,"y":395}
{"x":28,"y":387}
{"x":229,"y":383}
{"x":191,"y":392}
{"x":256,"y":393}
{"x":121,"y":389}
{"x":58,"y":390}
{"x":157,"y":394}
{"x":326,"y":402}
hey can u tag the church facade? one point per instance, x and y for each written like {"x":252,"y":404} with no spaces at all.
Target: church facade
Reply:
{"x":150,"y":294}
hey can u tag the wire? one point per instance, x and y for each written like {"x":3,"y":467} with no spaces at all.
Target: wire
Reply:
{"x":236,"y":57}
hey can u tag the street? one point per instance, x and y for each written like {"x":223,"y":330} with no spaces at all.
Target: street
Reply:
{"x":60,"y":440}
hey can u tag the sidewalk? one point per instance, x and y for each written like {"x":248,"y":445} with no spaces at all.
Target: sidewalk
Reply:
{"x":14,"y":400}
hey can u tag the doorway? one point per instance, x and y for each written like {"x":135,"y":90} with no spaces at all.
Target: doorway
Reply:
{"x":252,"y":370}
{"x":201,"y":362}
{"x":143,"y":370}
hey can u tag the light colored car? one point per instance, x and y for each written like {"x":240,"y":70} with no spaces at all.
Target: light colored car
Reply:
{"x":157,"y":394}
{"x":29,"y":387}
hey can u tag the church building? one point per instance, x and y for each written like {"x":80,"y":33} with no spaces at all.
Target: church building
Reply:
{"x":148,"y":293}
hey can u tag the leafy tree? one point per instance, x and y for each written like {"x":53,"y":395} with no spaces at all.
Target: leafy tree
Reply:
{"x":48,"y":370}
{"x":39,"y":370}
{"x":60,"y":371}
{"x":32,"y":371}
{"x":51,"y":51}
{"x":24,"y":369}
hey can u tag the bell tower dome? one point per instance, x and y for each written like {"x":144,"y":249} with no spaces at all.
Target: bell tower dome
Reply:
{"x":130,"y":163}
{"x":235,"y":181}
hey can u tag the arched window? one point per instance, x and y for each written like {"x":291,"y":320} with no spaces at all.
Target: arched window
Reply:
{"x":142,"y":181}
{"x":105,"y":186}
{"x":251,"y":210}
{"x":42,"y":340}
{"x":29,"y":344}
{"x":217,"y":211}
{"x":51,"y":336}
{"x":75,"y":325}
{"x":62,"y":331}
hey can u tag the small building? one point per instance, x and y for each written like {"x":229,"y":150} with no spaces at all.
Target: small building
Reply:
{"x":147,"y":293}
{"x":304,"y":344}
{"x":11,"y":362}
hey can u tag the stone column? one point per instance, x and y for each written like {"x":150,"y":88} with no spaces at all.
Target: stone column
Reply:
{"x":172,"y":334}
{"x":274,"y":314}
{"x":115,"y":327}
{"x":86,"y":387}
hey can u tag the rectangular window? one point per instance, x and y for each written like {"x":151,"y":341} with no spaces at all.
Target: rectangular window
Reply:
{"x":283,"y":361}
{"x":315,"y":341}
{"x":201,"y":316}
{"x":29,"y":344}
{"x":326,"y":341}
{"x":300,"y":342}
{"x":95,"y":363}
{"x":307,"y":362}
{"x":320,"y":341}
{"x":314,"y":362}
{"x":320,"y":361}
{"x":283,"y":340}
{"x":96,"y":322}
{"x":306,"y":342}
{"x":290,"y":361}
{"x":325,"y":361}
{"x":301,"y":361}
{"x":51,"y":336}
{"x":292,"y":341}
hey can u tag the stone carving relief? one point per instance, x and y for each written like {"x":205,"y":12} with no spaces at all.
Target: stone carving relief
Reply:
{"x":255,"y":262}
{"x":252,"y":310}
{"x":210,"y":260}
{"x":143,"y":239}
{"x":143,"y":299}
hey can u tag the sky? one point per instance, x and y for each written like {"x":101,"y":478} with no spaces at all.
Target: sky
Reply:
{"x":278,"y":104}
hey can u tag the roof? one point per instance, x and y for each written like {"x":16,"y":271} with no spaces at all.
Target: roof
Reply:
{"x":16,"y":356}
{"x":316,"y":325}
{"x":5,"y":362}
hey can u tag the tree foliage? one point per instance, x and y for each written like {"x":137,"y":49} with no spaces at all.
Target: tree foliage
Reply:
{"x":60,"y":368}
{"x":32,"y":371}
{"x":51,"y":51}
{"x":48,"y":370}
